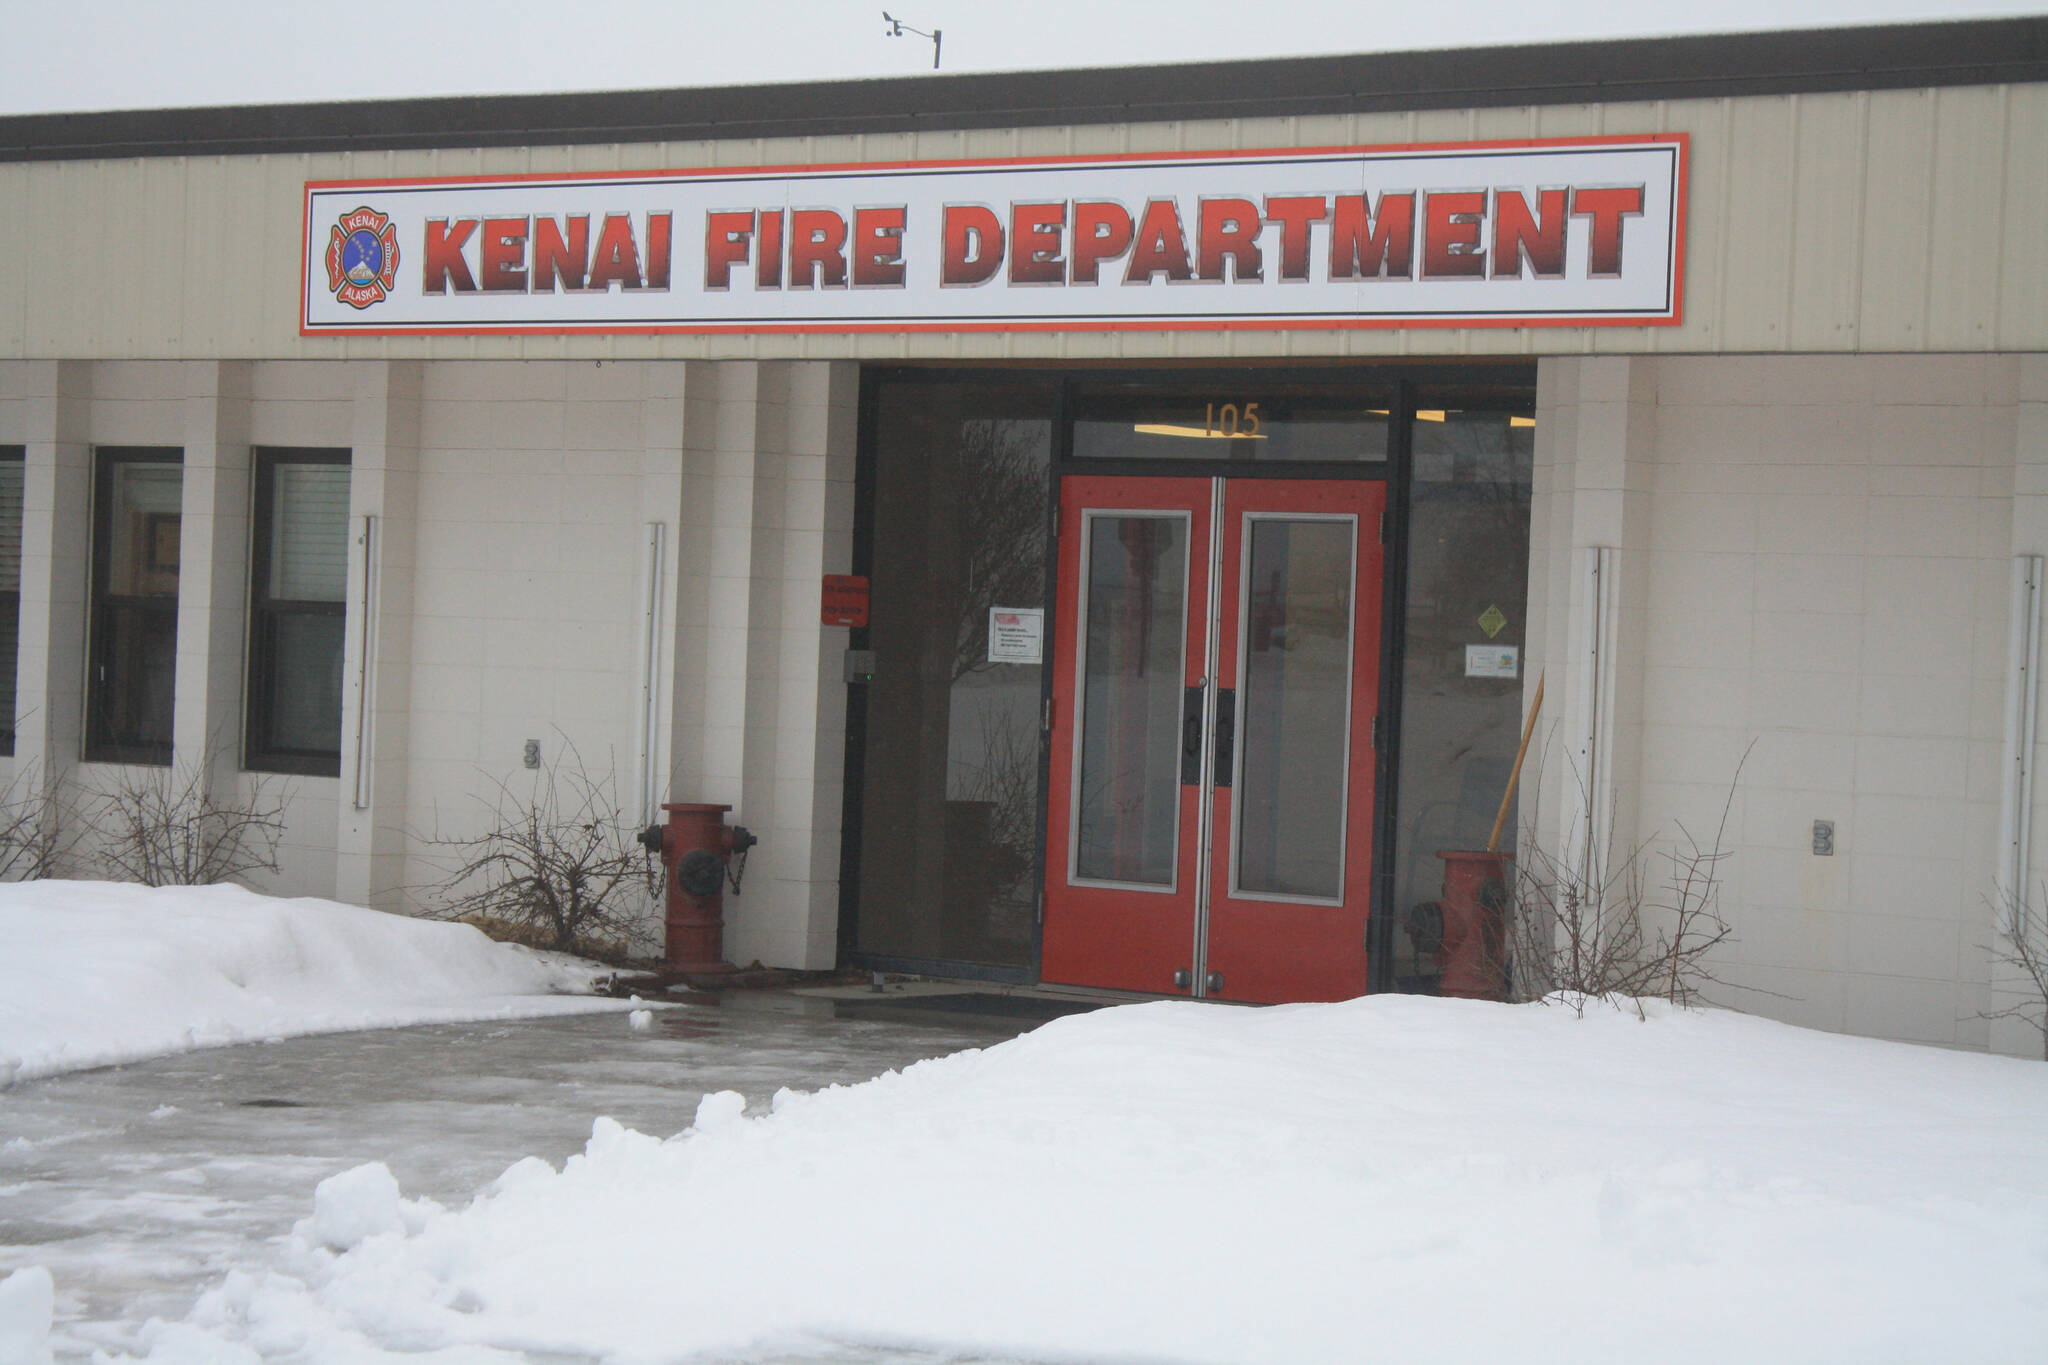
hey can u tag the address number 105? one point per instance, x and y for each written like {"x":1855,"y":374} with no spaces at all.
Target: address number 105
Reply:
{"x":1231,"y":419}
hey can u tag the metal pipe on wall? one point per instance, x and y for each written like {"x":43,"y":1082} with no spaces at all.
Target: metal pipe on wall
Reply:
{"x":2022,"y":696}
{"x":1586,"y":845}
{"x":648,"y":785}
{"x":366,"y":671}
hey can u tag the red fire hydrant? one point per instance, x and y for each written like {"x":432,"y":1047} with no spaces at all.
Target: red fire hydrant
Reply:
{"x":1475,"y":903}
{"x":697,"y":847}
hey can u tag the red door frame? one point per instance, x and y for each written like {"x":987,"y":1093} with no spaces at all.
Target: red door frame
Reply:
{"x":1259,"y":949}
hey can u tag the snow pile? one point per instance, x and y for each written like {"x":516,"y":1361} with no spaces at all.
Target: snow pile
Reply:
{"x":99,"y":973}
{"x":1395,"y":1179}
{"x":27,"y":1302}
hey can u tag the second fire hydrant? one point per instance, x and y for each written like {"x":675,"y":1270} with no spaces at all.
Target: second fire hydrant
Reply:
{"x":698,"y":852}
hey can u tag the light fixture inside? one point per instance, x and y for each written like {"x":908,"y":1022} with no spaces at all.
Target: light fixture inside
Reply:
{"x":1198,"y":433}
{"x":1521,"y":421}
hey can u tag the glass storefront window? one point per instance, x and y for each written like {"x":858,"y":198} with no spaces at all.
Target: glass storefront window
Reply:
{"x":1461,"y":702}
{"x":950,"y":794}
{"x":946,"y":757}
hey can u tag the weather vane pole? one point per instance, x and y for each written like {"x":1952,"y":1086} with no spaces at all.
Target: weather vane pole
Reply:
{"x":897,"y":28}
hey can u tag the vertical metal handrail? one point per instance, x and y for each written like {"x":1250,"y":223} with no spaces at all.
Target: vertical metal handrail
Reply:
{"x":2022,"y":693}
{"x":1590,"y":819}
{"x":648,"y":786}
{"x":366,"y":672}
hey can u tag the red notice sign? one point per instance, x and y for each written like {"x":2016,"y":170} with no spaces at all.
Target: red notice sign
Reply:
{"x":845,"y":600}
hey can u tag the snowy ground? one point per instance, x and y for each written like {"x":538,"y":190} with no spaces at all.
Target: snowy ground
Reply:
{"x":1394,"y":1178}
{"x":141,"y":1187}
{"x":100,"y":973}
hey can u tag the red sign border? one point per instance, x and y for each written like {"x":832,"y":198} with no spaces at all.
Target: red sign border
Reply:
{"x":1681,"y":141}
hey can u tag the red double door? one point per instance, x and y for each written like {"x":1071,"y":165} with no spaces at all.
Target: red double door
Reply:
{"x":1216,"y":680}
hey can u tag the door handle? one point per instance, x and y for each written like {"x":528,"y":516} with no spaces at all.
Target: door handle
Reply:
{"x":1191,"y":736}
{"x":1226,"y":733}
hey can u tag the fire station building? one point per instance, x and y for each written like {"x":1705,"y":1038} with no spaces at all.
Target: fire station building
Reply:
{"x":1095,"y":527}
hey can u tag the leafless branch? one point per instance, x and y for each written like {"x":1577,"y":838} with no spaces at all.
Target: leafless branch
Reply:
{"x":1583,"y":935}
{"x":557,"y":863}
{"x":176,"y":826}
{"x":33,"y":832}
{"x":2023,"y":947}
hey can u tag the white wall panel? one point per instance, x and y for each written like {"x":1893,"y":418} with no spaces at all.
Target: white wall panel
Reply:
{"x":1828,"y":577}
{"x":1967,"y":219}
{"x":2022,"y":304}
{"x":1900,"y":220}
{"x":1823,"y":298}
{"x":1756,"y":250}
{"x":1708,"y":173}
{"x":1897,"y":215}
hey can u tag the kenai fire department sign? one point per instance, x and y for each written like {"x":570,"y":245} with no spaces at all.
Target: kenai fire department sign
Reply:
{"x":1561,"y":233}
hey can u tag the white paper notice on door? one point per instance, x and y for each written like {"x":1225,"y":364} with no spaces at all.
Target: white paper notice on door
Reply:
{"x":1493,"y":661}
{"x":1016,"y":635}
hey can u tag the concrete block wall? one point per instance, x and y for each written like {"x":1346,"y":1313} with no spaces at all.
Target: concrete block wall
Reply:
{"x":1824,"y":574}
{"x":209,"y":411}
{"x":524,"y":595}
{"x":622,"y":558}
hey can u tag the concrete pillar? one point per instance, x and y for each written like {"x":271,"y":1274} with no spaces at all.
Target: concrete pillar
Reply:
{"x":1596,"y":434}
{"x":662,"y":487}
{"x":810,"y":697}
{"x":759,"y":713}
{"x":714,"y":579}
{"x":213,"y":572}
{"x":377,"y":663}
{"x":55,"y":536}
{"x":2009,"y":987}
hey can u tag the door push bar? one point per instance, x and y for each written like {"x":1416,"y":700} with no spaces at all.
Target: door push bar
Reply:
{"x":1191,"y":734}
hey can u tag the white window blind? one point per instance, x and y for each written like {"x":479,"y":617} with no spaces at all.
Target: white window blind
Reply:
{"x":10,"y":525}
{"x":309,"y":533}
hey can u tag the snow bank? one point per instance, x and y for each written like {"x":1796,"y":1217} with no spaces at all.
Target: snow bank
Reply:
{"x":1391,"y":1179}
{"x":27,"y":1301}
{"x":99,"y":973}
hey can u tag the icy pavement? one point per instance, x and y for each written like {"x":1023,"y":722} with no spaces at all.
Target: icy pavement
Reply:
{"x":140,"y":1186}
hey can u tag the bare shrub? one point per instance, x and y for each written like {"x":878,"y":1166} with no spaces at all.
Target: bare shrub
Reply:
{"x":1584,"y":929}
{"x":2023,"y":947}
{"x":181,"y":825}
{"x":32,"y":827}
{"x":557,"y":866}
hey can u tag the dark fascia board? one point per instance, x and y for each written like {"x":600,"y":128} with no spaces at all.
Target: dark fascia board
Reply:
{"x":1799,"y":61}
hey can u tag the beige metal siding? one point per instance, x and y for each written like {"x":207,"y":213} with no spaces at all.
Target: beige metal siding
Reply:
{"x":1895,"y":221}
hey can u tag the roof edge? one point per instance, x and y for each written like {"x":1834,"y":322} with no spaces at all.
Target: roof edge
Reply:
{"x":1795,"y":61}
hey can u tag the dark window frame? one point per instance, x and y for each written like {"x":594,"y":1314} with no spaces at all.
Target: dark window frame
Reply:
{"x":99,"y":745}
{"x":10,"y":608}
{"x":260,"y":752}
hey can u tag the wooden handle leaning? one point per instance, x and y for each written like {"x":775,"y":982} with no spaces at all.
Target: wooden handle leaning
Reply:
{"x":1515,"y":774}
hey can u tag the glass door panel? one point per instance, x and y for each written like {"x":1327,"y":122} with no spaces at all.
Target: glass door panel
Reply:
{"x":947,"y":783}
{"x":1134,"y":643}
{"x":1293,"y":707}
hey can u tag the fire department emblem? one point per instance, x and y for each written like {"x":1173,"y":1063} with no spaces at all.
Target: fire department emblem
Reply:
{"x":362,"y":258}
